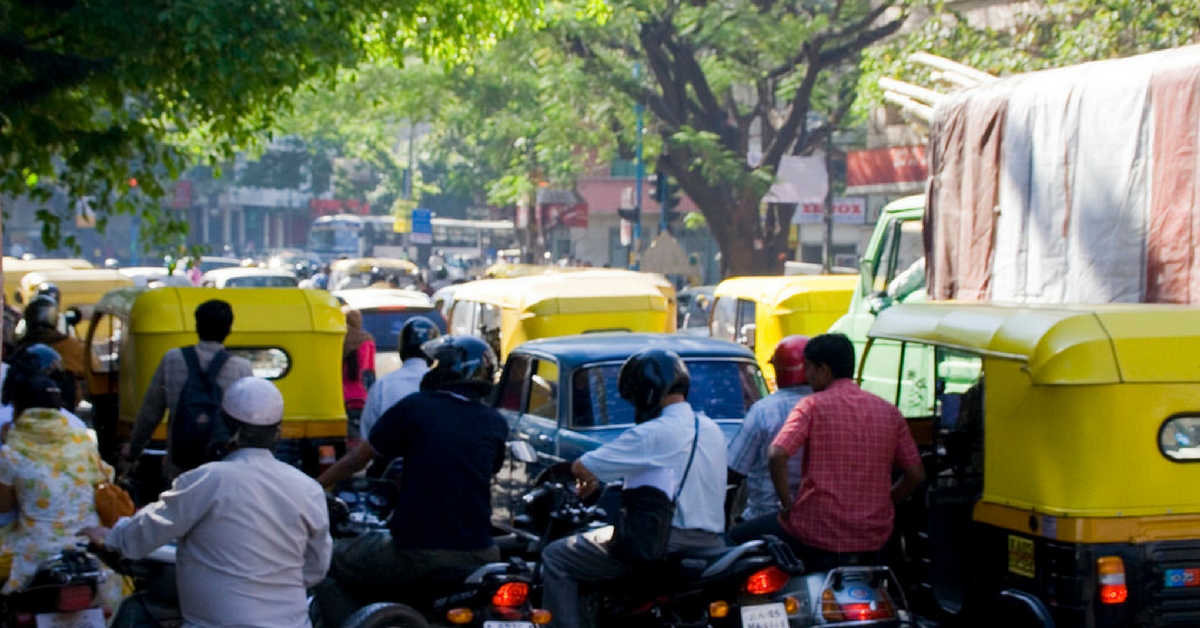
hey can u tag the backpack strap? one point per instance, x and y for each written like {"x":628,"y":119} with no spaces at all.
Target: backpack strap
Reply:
{"x":214,"y":367}
{"x":191,"y":359}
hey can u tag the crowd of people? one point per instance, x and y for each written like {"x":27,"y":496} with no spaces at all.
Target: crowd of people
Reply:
{"x":817,"y":459}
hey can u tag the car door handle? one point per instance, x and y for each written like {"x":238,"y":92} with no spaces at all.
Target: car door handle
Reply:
{"x":543,"y":438}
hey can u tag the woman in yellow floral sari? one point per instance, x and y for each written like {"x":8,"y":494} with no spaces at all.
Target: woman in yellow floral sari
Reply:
{"x":48,"y":470}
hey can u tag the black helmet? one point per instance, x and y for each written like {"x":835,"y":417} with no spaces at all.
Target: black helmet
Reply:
{"x":42,"y":311}
{"x":649,"y":375}
{"x":416,"y":331}
{"x":48,"y":289}
{"x":469,"y":357}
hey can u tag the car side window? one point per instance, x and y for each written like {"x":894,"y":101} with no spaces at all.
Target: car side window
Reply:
{"x":512,"y":387}
{"x":543,"y":390}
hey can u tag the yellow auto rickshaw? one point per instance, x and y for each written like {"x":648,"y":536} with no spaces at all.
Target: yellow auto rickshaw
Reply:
{"x":78,"y":288}
{"x":16,"y":269}
{"x":291,"y":336}
{"x":1062,"y":447}
{"x":507,"y":312}
{"x":369,"y":272}
{"x":758,"y":312}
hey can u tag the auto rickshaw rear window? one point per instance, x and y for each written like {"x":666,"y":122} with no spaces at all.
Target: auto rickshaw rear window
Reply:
{"x":1179,"y":438}
{"x":267,"y":362}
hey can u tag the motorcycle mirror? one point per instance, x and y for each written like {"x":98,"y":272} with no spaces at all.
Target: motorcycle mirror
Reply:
{"x":522,"y":451}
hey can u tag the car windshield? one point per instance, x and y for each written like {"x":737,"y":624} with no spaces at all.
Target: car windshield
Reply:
{"x":385,"y":325}
{"x":722,"y":389}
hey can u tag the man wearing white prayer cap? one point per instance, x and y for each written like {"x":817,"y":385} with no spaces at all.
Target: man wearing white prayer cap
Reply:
{"x":252,"y":533}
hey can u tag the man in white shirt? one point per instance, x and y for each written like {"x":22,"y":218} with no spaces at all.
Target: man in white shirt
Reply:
{"x":655,"y":452}
{"x":385,"y":393}
{"x":252,"y":533}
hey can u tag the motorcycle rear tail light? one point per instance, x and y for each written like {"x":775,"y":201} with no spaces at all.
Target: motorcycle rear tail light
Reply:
{"x":25,"y":619}
{"x":834,"y":611}
{"x":74,"y":598}
{"x":1111,"y":570}
{"x":766,"y":581}
{"x":718,"y":610}
{"x":511,"y":594}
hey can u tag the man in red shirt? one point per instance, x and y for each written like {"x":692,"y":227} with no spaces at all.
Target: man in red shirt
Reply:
{"x":852,"y":442}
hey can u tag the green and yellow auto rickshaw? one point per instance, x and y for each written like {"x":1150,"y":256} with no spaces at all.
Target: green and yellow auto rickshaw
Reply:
{"x":1062,"y":446}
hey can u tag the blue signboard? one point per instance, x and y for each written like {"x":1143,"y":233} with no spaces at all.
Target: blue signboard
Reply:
{"x":422,"y":227}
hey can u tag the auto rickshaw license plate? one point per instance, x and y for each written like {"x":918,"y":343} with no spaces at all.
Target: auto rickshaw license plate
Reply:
{"x":1182,"y":578}
{"x":1020,"y":556}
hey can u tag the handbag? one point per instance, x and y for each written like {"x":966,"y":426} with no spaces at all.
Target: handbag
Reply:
{"x":643,"y":528}
{"x":112,"y":503}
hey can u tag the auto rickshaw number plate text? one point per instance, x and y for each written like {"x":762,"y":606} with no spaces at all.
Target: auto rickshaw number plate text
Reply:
{"x":1020,"y":556}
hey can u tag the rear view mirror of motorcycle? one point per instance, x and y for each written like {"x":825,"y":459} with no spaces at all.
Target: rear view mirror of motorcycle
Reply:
{"x":522,"y":451}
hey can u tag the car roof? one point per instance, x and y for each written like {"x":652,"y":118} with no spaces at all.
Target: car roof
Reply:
{"x":254,"y":271}
{"x":371,"y":298}
{"x":572,"y":351}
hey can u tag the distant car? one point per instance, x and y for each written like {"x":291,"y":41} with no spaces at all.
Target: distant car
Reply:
{"x":693,"y":306}
{"x":384,"y":313}
{"x":248,"y":278}
{"x":560,"y":395}
{"x":155,"y":276}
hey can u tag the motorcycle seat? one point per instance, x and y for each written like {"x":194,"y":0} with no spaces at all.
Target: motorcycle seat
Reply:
{"x":682,"y":569}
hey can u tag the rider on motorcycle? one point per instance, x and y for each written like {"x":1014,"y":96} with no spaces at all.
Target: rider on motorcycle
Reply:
{"x":252,"y":532}
{"x":655,"y":452}
{"x":452,"y":443}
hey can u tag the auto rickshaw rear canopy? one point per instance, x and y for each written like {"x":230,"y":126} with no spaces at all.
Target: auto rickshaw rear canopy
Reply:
{"x":1060,"y":344}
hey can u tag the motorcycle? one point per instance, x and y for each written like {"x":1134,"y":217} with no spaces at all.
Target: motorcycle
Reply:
{"x":62,"y":592}
{"x":758,"y":584}
{"x":155,"y":600}
{"x":496,"y":595}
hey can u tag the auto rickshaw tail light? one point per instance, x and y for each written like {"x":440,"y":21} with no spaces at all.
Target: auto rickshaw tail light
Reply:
{"x":511,"y":594}
{"x":1111,"y":570}
{"x":766,"y":581}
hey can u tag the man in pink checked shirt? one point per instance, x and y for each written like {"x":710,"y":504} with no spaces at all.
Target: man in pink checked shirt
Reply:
{"x":852,"y":442}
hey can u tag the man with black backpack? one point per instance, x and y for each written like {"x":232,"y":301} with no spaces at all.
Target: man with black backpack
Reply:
{"x":188,"y":386}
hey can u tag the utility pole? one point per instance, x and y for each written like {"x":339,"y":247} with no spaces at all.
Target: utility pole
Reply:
{"x":636,"y":241}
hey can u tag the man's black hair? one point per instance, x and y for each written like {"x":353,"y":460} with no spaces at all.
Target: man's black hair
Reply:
{"x":214,"y":319}
{"x":833,"y":350}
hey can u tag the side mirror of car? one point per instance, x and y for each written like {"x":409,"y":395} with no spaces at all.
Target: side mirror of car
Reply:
{"x":522,"y":451}
{"x":73,"y":316}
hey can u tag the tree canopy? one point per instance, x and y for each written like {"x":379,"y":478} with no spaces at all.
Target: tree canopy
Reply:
{"x":98,"y":93}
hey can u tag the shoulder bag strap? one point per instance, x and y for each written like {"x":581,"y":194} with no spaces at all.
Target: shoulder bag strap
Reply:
{"x":691,"y":457}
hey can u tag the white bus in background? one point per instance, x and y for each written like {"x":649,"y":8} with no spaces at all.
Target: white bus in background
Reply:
{"x":350,"y":235}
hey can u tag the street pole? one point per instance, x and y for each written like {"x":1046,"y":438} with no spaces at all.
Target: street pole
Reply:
{"x":636,"y":241}
{"x":828,"y":248}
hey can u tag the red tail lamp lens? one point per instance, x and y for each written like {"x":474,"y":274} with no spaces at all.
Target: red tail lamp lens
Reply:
{"x":77,"y":598}
{"x":766,"y":581}
{"x":510,"y":594}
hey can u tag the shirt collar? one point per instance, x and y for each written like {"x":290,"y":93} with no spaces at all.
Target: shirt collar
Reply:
{"x":210,"y":344}
{"x":844,"y":382}
{"x":678,"y":410}
{"x":411,"y":363}
{"x":248,"y":453}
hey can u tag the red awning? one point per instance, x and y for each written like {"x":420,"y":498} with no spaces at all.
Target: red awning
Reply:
{"x":892,"y":170}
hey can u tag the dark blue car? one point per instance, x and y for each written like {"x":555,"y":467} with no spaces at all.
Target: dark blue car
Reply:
{"x":560,"y":395}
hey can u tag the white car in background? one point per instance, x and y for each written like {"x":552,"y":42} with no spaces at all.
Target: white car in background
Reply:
{"x":248,"y":278}
{"x":155,"y":276}
{"x":384,"y":312}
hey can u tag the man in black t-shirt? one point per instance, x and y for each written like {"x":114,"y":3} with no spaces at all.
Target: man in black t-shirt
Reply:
{"x":452,"y":444}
